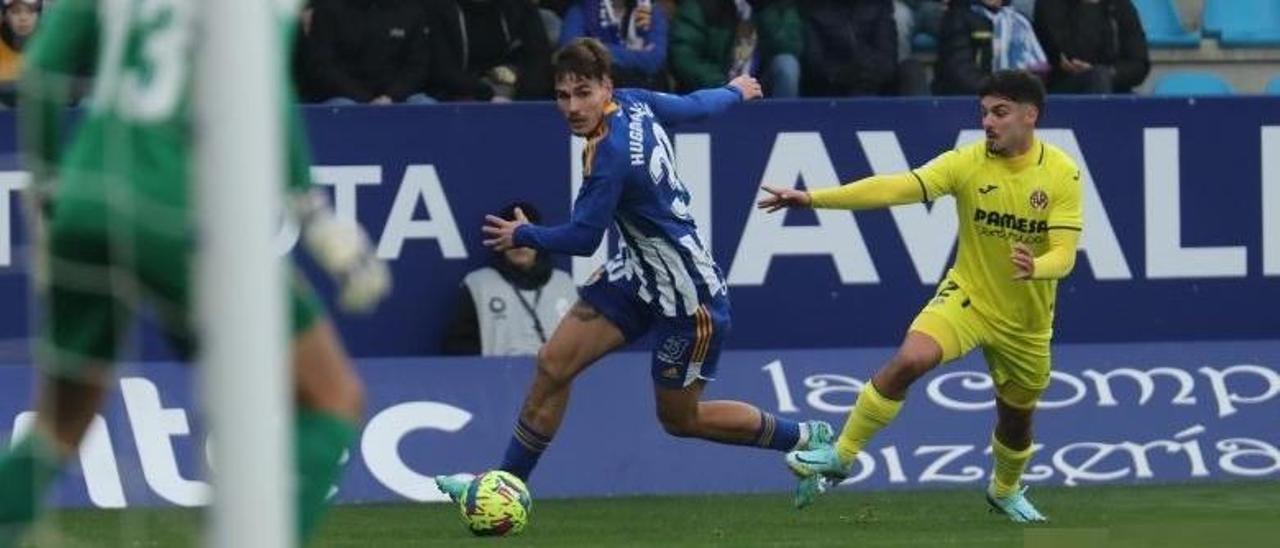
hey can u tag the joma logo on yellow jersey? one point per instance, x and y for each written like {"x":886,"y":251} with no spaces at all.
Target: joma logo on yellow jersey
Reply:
{"x":1009,"y":221}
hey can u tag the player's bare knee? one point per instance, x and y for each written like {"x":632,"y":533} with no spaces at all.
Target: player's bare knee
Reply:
{"x":678,"y":426}
{"x":678,"y":420}
{"x":555,"y":366}
{"x":344,"y":399}
{"x":325,"y":378}
{"x":919,"y":361}
{"x":907,"y":366}
{"x":342,"y":395}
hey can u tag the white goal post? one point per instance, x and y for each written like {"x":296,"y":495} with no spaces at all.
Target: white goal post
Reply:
{"x":244,"y":360}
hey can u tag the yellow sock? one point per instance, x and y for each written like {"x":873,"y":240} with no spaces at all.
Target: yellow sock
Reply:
{"x":872,"y":412}
{"x":1008,"y":468}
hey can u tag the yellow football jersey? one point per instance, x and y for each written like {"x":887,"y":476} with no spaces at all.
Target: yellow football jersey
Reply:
{"x":1001,"y":201}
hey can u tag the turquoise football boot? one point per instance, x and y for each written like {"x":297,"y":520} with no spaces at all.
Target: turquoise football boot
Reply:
{"x":817,"y":469}
{"x":454,"y":485}
{"x":1016,"y":506}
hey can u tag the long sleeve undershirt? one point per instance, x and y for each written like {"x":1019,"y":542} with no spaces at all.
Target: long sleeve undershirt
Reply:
{"x":870,"y":193}
{"x":904,"y":188}
{"x":1058,"y":261}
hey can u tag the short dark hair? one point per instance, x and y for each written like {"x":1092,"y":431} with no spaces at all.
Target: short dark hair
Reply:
{"x":582,"y":57}
{"x":1018,"y":86}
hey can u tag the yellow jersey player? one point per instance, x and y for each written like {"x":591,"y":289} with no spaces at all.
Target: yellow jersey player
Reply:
{"x":1018,"y":199}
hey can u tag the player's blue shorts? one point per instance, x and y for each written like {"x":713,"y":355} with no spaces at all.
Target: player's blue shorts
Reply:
{"x":687,"y":348}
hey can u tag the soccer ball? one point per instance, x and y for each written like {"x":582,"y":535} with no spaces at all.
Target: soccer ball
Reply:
{"x":496,"y":504}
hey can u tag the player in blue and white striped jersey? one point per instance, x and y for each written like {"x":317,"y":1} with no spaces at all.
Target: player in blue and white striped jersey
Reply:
{"x":663,"y":280}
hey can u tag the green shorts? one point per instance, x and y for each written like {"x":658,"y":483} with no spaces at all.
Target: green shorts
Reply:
{"x":1018,"y":362}
{"x":98,"y":276}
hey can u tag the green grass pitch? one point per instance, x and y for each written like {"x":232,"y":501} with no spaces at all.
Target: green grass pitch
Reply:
{"x":1208,"y":515}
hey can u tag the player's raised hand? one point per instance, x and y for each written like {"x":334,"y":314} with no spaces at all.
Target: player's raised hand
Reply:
{"x":502,"y":231}
{"x":748,"y":86}
{"x":1024,"y":262}
{"x":781,"y":198}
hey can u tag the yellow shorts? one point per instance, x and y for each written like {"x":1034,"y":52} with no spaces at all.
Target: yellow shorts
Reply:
{"x":1018,"y":362}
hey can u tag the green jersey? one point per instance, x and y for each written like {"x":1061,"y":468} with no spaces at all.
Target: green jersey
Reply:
{"x":135,"y":144}
{"x":121,"y":231}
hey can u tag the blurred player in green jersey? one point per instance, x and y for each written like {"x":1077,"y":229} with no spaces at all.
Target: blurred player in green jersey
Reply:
{"x":114,"y":230}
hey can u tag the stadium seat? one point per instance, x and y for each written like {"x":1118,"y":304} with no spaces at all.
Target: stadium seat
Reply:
{"x":1163,"y":26}
{"x":1190,"y":83}
{"x":1211,"y":16}
{"x":1243,"y":23}
{"x":1273,"y":86}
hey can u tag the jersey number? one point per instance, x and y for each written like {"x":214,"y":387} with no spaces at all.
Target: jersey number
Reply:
{"x":663,"y":170}
{"x":148,"y":88}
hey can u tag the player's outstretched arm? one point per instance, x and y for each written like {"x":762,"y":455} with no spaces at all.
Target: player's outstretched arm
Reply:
{"x":782,"y":198}
{"x":1056,"y":263}
{"x":573,"y":238}
{"x":592,"y":214}
{"x":748,"y":87}
{"x":869,"y":193}
{"x":676,"y":109}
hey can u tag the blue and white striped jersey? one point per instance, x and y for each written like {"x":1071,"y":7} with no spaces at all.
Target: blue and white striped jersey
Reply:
{"x":629,"y":180}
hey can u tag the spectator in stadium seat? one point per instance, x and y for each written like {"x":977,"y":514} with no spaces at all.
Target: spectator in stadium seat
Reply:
{"x":1095,"y":46}
{"x":20,"y":20}
{"x":966,"y":52}
{"x":497,"y":49}
{"x":851,"y":48}
{"x":714,"y":41}
{"x":512,"y":306}
{"x":368,"y":51}
{"x":635,"y":31}
{"x":925,"y":16}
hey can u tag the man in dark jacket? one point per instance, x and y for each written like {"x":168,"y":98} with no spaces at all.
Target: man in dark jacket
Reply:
{"x":851,"y":48}
{"x":368,"y":51}
{"x":964,"y":49}
{"x":497,"y":50}
{"x":1095,"y":46}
